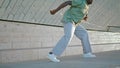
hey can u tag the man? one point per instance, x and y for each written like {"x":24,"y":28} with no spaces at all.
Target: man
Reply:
{"x":72,"y":17}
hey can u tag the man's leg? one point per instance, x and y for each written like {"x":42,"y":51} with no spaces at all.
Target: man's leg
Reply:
{"x":82,"y":34}
{"x":69,"y":29}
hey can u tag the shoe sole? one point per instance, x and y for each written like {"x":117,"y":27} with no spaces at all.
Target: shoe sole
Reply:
{"x":52,"y":60}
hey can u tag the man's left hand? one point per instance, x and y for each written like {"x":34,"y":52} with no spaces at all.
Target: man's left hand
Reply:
{"x":85,"y":18}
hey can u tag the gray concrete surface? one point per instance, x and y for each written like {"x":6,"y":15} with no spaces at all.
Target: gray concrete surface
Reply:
{"x":109,"y":59}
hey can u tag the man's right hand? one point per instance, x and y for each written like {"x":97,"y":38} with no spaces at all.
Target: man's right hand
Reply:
{"x":52,"y":12}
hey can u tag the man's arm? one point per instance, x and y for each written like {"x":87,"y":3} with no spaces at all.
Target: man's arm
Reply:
{"x":60,"y":7}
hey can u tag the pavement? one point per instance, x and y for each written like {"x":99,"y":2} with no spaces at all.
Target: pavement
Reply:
{"x":107,"y":59}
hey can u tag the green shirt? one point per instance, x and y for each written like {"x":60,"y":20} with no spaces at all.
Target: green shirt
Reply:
{"x":76,"y":12}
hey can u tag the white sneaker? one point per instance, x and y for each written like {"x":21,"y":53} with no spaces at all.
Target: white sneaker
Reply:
{"x":53,"y":58}
{"x":89,"y":55}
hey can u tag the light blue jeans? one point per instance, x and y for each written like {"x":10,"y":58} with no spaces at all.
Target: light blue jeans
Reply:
{"x":69,"y":30}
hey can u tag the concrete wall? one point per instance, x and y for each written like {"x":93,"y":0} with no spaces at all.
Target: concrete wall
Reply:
{"x":25,"y":42}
